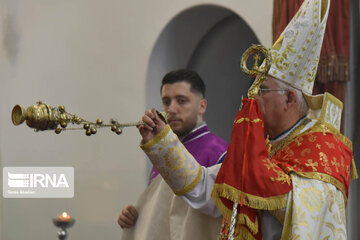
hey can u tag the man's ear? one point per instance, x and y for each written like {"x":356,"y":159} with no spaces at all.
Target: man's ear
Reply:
{"x":291,"y":98}
{"x":203,"y":105}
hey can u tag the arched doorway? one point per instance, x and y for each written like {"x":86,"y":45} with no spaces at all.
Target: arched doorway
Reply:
{"x":210,"y":40}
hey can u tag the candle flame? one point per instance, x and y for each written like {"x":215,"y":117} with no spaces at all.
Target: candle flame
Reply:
{"x":65,"y":215}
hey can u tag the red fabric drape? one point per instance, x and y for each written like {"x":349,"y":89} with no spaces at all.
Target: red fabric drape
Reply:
{"x":333,"y":70}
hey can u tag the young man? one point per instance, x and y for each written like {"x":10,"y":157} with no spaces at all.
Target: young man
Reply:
{"x":183,"y":101}
{"x":296,"y":186}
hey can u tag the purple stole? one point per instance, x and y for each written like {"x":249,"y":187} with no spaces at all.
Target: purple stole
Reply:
{"x":207,"y":148}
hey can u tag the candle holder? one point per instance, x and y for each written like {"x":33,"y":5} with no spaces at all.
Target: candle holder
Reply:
{"x":63,"y":224}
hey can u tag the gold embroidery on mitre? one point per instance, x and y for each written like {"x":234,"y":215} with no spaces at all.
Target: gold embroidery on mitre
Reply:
{"x":296,"y":53}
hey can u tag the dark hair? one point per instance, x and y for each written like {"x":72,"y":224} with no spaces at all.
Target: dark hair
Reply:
{"x":184,"y":75}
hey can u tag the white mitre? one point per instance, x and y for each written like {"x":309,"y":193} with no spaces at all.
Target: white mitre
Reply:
{"x":295,"y":55}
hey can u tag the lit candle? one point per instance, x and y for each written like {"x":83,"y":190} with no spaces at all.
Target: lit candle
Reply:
{"x":64,"y":217}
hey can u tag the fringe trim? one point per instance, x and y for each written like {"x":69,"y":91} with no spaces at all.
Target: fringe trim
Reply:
{"x":263,"y":203}
{"x":240,"y":219}
{"x":226,"y":212}
{"x":245,"y":220}
{"x":354,"y":173}
{"x":333,"y":68}
{"x":192,"y":185}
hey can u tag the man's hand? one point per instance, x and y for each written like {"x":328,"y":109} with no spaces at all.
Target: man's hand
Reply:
{"x":153,"y":125}
{"x":128,"y":217}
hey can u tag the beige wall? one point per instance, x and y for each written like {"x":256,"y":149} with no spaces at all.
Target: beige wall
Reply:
{"x":92,"y":57}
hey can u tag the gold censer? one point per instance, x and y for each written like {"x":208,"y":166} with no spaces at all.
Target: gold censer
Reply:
{"x":45,"y":117}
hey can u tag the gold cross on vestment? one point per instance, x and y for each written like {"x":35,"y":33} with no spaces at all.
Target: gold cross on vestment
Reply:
{"x":335,"y":163}
{"x":312,"y":165}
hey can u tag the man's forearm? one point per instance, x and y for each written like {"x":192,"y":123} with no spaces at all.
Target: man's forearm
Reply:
{"x":175,"y":164}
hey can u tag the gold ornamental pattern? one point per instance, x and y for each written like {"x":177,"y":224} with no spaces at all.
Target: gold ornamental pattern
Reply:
{"x":175,"y":164}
